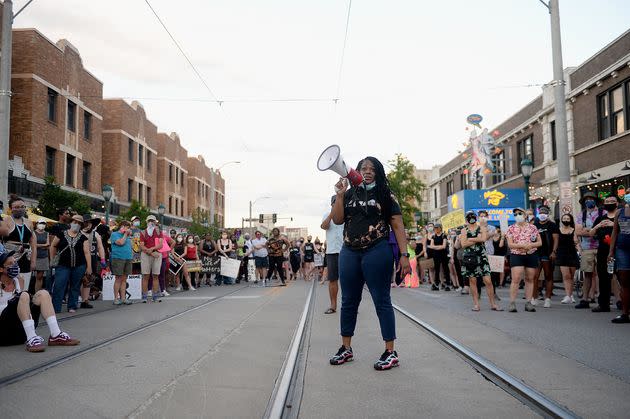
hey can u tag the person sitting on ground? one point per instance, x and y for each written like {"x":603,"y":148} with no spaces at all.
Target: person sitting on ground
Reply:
{"x":19,"y":313}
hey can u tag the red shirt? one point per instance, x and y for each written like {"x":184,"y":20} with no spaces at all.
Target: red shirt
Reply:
{"x":150,"y":241}
{"x":528,"y":233}
{"x":191,"y":252}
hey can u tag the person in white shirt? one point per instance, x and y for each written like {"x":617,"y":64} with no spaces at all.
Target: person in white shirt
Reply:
{"x":334,"y":242}
{"x":260,"y":256}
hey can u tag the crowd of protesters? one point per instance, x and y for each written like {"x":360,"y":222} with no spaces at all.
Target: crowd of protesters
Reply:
{"x":596,"y":242}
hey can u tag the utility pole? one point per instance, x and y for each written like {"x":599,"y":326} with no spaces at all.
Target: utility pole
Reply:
{"x":5,"y":96}
{"x":560,"y":110}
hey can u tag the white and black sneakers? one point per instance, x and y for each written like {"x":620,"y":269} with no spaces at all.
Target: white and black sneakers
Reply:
{"x":343,"y":355}
{"x":387,"y":361}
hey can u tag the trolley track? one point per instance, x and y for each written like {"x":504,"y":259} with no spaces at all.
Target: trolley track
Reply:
{"x":82,"y":350}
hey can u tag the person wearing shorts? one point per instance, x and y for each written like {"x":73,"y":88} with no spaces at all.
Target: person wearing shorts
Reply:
{"x":523,"y":240}
{"x":121,"y":263}
{"x":260,"y":256}
{"x":619,"y":253}
{"x":334,"y":243}
{"x":151,"y":258}
{"x":585,"y":222}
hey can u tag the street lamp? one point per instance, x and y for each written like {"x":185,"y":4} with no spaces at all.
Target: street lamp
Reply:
{"x":527,"y":167}
{"x":251,"y":204}
{"x":212,"y":186}
{"x":107,"y":195}
{"x":161,"y":211}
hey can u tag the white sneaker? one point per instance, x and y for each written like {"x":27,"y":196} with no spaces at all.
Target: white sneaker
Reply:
{"x":566,"y":300}
{"x":179,"y":288}
{"x":547,"y":303}
{"x":165,"y":294}
{"x":572,"y":300}
{"x":193,"y":288}
{"x":534,"y":302}
{"x":150,"y":294}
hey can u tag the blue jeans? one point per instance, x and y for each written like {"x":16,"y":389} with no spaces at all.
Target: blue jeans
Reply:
{"x":63,"y":275}
{"x":373,"y":267}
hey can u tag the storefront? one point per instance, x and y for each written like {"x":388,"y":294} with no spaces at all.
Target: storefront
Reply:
{"x":617,"y":187}
{"x":497,"y":202}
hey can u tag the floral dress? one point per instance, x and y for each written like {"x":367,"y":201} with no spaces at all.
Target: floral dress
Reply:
{"x":482,"y":268}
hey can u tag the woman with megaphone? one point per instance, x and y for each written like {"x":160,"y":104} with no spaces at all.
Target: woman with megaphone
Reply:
{"x":368,"y":212}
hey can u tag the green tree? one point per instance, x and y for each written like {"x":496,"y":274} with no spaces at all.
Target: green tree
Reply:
{"x":136,"y":209}
{"x":406,"y":187}
{"x":54,"y":198}
{"x":200,"y":224}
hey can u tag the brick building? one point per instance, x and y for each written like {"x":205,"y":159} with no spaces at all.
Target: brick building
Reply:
{"x":56,"y":116}
{"x":598,"y":121}
{"x":62,"y":127}
{"x":130,"y":153}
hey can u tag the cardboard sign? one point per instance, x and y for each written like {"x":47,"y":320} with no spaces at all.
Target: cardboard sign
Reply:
{"x":194,"y":265}
{"x":230,"y":267}
{"x":134,"y":287}
{"x":318,"y":259}
{"x":497,"y":263}
{"x":174,"y":266}
{"x":453,"y":219}
{"x":211,"y":265}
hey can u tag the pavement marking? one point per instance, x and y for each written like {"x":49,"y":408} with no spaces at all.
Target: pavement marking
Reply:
{"x":240,"y":297}
{"x":200,"y":297}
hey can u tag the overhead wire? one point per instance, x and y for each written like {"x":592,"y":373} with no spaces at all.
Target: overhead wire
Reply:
{"x":343,"y":53}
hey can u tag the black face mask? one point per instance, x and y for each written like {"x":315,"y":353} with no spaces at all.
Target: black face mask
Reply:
{"x":610,"y":207}
{"x":566,"y":223}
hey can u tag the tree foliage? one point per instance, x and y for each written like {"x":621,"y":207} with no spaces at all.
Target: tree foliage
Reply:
{"x":54,"y":198}
{"x":200,"y":224}
{"x":406,"y":187}
{"x":136,"y":209}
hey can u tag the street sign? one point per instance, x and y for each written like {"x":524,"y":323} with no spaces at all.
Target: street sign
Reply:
{"x":474,"y":119}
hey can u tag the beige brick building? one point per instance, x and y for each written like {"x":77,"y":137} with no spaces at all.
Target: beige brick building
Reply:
{"x":172,"y":174}
{"x":130,"y":153}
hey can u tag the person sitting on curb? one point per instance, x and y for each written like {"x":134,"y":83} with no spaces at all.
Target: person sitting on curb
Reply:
{"x":19,"y":313}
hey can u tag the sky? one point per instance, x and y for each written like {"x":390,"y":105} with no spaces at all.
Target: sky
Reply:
{"x":412,"y":71}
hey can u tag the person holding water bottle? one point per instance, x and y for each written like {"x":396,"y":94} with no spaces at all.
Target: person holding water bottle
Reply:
{"x":602,"y":230}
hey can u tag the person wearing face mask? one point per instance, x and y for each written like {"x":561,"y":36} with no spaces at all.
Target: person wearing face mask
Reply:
{"x":529,"y":216}
{"x":121,"y":261}
{"x":428,"y":255}
{"x":136,"y":231}
{"x":151,"y":259}
{"x":75,"y":260}
{"x":179,"y":253}
{"x":475,"y":259}
{"x":97,"y":254}
{"x":549,"y":234}
{"x":483,"y":221}
{"x":602,"y":230}
{"x":19,"y":312}
{"x":523,"y":240}
{"x":619,"y":256}
{"x":308,"y":249}
{"x":369,"y":212}
{"x":438,"y":244}
{"x":42,"y":264}
{"x":584,"y":223}
{"x":566,"y":252}
{"x":225,"y":248}
{"x":20,"y":238}
{"x":208,"y":251}
{"x":260,"y":256}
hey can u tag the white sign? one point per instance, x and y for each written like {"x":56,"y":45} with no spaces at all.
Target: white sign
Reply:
{"x":503,"y":223}
{"x":230,"y":267}
{"x":497,"y":263}
{"x":318,"y":259}
{"x":134,"y":287}
{"x":251,"y":270}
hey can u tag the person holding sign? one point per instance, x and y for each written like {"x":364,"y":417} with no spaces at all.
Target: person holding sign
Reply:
{"x":369,"y":211}
{"x":208,"y":251}
{"x":225,"y":247}
{"x":151,"y":258}
{"x":475,"y":261}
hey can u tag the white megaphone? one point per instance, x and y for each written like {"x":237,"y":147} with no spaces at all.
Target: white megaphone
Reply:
{"x":331,"y":159}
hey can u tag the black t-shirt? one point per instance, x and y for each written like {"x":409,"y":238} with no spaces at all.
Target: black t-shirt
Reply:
{"x":603,"y":234}
{"x":58,"y":229}
{"x":438,"y":240}
{"x":362,"y":230}
{"x":546,"y":230}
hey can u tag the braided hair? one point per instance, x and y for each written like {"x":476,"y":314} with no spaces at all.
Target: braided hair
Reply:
{"x":383,"y":192}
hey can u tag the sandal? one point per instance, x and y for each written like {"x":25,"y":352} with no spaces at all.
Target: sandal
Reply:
{"x":330,"y":311}
{"x":476,"y":309}
{"x":496,"y":309}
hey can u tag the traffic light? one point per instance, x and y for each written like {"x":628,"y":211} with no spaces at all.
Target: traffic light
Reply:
{"x":274,"y":218}
{"x":261,"y":218}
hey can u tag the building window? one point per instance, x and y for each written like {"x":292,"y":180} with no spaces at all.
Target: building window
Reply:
{"x":149,"y":160}
{"x":177,"y":175}
{"x":464,"y":180}
{"x":140,"y":192}
{"x":170,"y":172}
{"x":170,"y":204}
{"x":72,"y":116}
{"x":52,"y":105}
{"x":87,"y":169}
{"x":50,"y":161}
{"x":176,"y":206}
{"x":70,"y":160}
{"x":182,"y":209}
{"x":130,"y":147}
{"x":181,"y":178}
{"x":199,"y":187}
{"x":524,"y":148}
{"x":499,"y":167}
{"x":129,"y":190}
{"x":450,"y":187}
{"x":613,"y":110}
{"x":435,"y":198}
{"x":87,"y":125}
{"x":140,"y":155}
{"x":148,"y":197}
{"x":554,"y":152}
